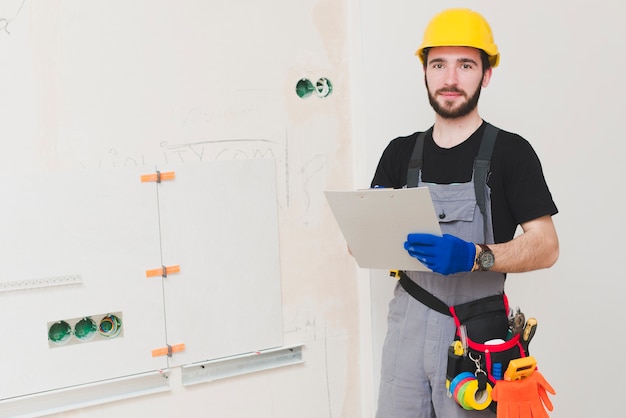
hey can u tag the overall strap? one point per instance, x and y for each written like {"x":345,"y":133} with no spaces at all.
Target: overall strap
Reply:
{"x":481,"y":166}
{"x":415,"y":165}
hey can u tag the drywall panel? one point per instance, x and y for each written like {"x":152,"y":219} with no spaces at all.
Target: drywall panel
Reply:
{"x":74,"y":246}
{"x":219,"y":224}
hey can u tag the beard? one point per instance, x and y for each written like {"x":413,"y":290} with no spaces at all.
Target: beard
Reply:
{"x":446,"y":110}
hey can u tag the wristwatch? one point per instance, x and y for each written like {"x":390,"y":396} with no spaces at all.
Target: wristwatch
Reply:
{"x":485,"y":259}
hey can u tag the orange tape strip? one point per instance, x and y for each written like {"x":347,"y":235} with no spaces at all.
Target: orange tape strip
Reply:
{"x":159,"y":272}
{"x":167,"y":175}
{"x":164,"y":351}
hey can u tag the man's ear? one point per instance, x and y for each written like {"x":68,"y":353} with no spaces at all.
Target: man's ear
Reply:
{"x":487,"y":77}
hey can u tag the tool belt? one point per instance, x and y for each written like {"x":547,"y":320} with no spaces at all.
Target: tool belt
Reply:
{"x":482,"y":348}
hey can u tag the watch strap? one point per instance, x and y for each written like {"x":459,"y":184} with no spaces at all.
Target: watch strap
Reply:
{"x":484,"y":247}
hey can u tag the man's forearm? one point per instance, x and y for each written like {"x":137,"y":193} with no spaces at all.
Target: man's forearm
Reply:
{"x":536,"y":248}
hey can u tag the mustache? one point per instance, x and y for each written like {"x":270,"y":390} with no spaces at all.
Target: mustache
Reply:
{"x":450,"y":90}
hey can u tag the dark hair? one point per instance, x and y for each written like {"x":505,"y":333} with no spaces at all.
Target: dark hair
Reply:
{"x":484,"y":58}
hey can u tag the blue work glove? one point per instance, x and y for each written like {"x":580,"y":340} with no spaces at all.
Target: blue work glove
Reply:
{"x":444,"y":255}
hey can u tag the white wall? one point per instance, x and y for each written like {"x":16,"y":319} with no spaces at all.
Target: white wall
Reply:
{"x":560,"y":85}
{"x":90,"y":85}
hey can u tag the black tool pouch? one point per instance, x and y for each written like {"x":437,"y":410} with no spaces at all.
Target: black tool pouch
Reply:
{"x":469,"y":358}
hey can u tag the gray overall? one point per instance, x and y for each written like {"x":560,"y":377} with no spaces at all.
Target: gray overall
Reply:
{"x":414,"y":360}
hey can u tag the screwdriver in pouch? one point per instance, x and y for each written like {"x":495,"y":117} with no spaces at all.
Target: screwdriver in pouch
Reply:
{"x":529,"y":332}
{"x":516,"y":323}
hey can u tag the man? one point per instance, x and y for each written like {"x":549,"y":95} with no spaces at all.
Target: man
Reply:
{"x":478,"y":247}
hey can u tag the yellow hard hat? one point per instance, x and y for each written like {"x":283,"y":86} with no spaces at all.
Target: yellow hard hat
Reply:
{"x":460,"y":27}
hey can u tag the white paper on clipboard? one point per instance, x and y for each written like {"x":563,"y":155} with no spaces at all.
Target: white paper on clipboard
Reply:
{"x":376,"y":222}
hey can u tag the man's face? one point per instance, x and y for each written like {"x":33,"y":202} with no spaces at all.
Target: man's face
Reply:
{"x":454,"y":77}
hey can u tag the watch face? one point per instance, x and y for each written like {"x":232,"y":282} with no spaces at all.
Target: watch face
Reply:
{"x":486,"y":260}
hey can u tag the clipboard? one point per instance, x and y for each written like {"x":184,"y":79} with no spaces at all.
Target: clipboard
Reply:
{"x":376,"y":222}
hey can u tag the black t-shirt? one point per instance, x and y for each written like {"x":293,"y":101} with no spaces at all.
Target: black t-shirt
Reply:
{"x":519,"y":192}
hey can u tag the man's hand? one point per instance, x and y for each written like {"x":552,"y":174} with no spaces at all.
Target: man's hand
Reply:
{"x":445,"y":255}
